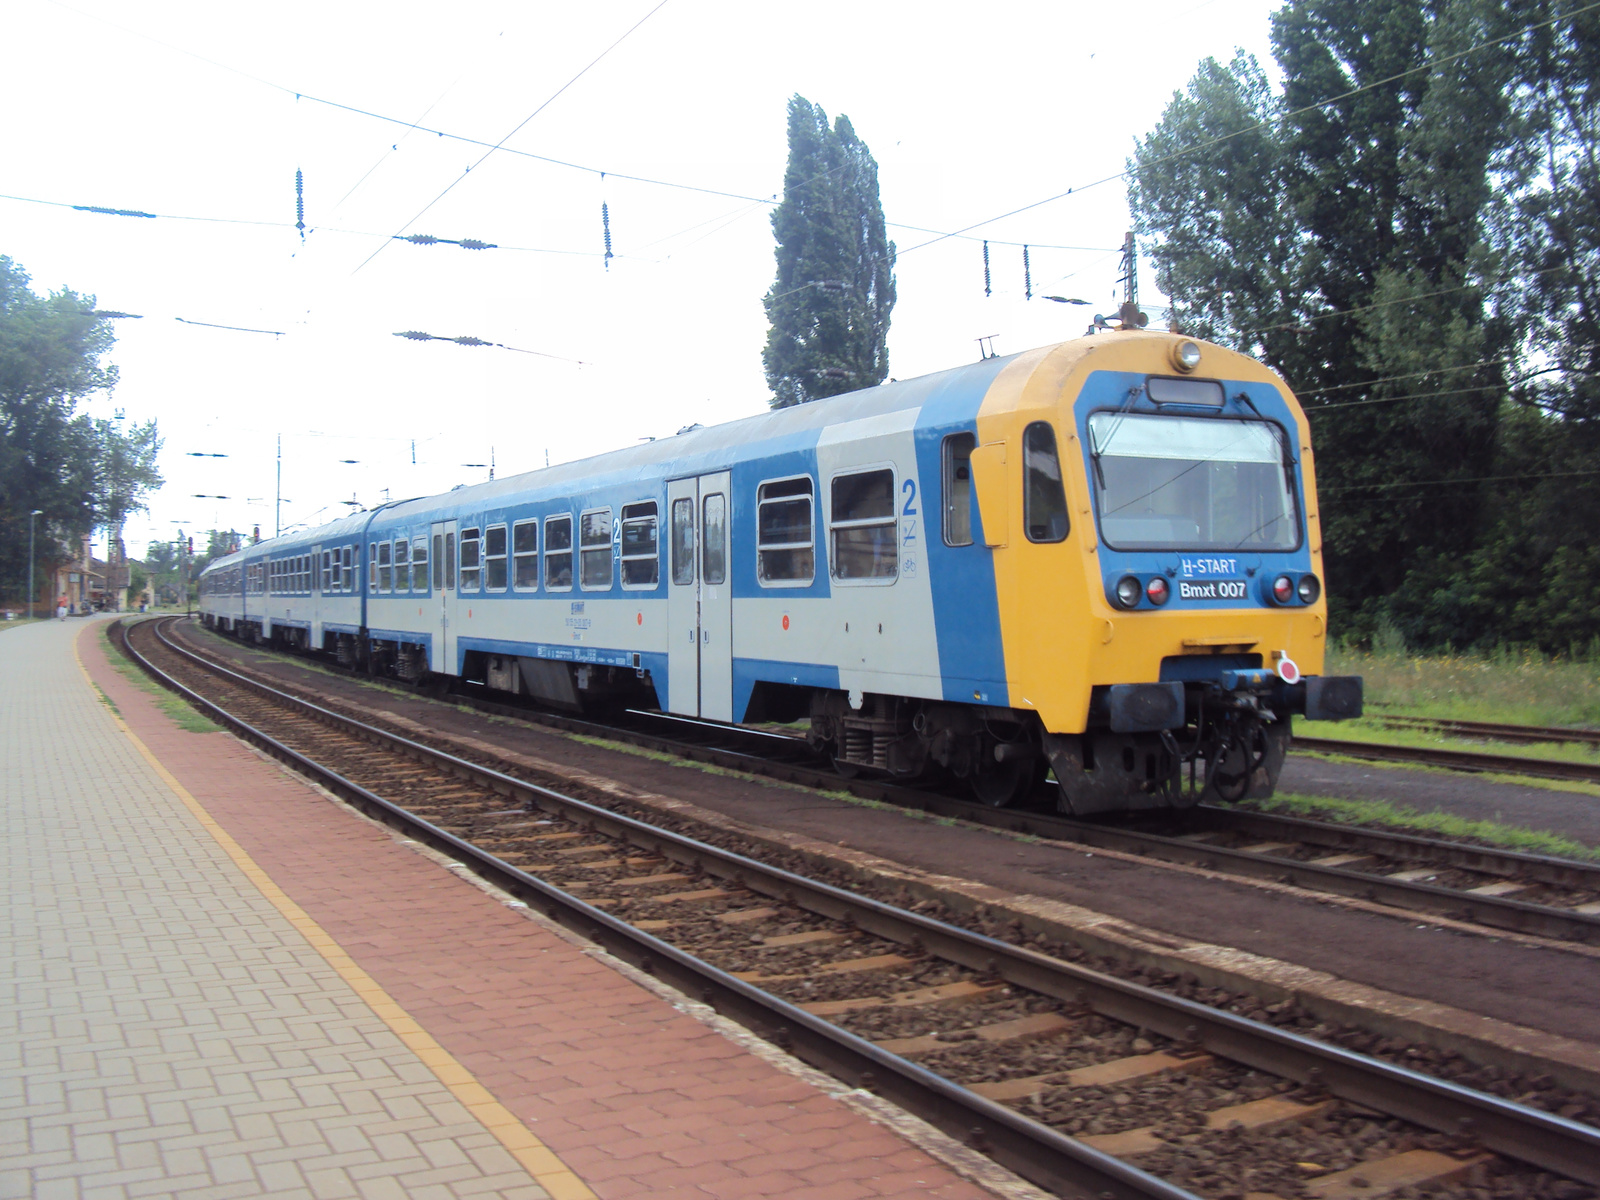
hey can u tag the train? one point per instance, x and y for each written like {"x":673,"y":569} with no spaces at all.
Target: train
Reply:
{"x":1098,"y":560}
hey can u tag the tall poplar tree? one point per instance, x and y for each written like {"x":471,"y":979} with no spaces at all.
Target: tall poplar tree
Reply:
{"x":829,"y":304}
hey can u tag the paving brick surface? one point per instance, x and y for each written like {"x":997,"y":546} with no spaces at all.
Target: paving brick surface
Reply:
{"x":164,"y":1030}
{"x":636,"y":1097}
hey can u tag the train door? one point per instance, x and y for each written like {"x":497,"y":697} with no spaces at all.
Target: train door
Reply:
{"x":442,"y":660}
{"x":700,"y":598}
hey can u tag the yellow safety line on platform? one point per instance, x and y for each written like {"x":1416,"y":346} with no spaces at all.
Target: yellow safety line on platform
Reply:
{"x":538,"y":1159}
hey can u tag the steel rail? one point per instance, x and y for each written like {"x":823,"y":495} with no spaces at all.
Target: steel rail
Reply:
{"x":1034,"y":1151}
{"x":1495,"y":912}
{"x":1454,"y":760}
{"x":1404,"y":847}
{"x":1493,"y":730}
{"x":1031,"y":1149}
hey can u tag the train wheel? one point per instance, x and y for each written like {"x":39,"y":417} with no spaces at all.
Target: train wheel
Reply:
{"x":1000,"y":785}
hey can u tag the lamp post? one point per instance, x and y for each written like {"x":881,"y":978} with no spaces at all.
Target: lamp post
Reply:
{"x":36,"y":512}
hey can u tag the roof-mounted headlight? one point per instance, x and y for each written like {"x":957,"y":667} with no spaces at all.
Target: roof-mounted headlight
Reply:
{"x":1186,"y":355}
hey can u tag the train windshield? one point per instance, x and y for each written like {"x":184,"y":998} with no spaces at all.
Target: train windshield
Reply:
{"x":1192,"y":483}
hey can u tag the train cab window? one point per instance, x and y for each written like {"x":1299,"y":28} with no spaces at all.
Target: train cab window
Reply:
{"x":641,"y":548}
{"x":402,"y":565}
{"x":438,"y":562}
{"x":385,"y":572}
{"x":419,"y":565}
{"x":865,"y":539}
{"x":714,"y":538}
{"x":558,"y":554}
{"x":1044,"y":502}
{"x":958,"y":448}
{"x":525,"y":556}
{"x":785,"y":553}
{"x":594,"y":549}
{"x":683,"y":541}
{"x":471,"y":572}
{"x":494,"y":558}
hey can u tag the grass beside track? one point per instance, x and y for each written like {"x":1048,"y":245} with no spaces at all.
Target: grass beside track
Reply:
{"x":1517,"y":687}
{"x":179,"y":710}
{"x":1382,"y":814}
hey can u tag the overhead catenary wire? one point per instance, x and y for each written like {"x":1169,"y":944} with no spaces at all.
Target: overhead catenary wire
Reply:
{"x":1344,"y":387}
{"x":520,"y":125}
{"x":1281,"y":117}
{"x":1353,"y":487}
{"x":417,"y":127}
{"x":416,"y":239}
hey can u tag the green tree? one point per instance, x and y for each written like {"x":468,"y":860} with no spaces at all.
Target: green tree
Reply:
{"x":125,"y":471}
{"x":51,"y":349}
{"x":829,"y":305}
{"x":1337,"y":231}
{"x":1225,"y":246}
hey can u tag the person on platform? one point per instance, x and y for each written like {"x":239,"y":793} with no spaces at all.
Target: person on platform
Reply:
{"x":61,"y":609}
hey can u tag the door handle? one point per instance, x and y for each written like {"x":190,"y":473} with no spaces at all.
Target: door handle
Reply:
{"x":705,"y":636}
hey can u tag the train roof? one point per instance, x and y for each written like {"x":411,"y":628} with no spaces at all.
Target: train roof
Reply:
{"x":696,"y":450}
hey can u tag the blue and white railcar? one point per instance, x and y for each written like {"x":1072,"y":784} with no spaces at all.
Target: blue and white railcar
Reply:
{"x":1102,"y":556}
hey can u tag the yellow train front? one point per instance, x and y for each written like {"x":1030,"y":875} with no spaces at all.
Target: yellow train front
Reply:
{"x":1150,"y":504}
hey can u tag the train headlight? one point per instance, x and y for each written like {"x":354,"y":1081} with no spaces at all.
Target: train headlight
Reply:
{"x":1158,"y":591}
{"x":1129,"y":591}
{"x":1310,"y":588}
{"x":1186,"y":356}
{"x":1282,"y":589}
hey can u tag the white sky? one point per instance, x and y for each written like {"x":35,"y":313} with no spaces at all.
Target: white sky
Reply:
{"x":189,"y":110}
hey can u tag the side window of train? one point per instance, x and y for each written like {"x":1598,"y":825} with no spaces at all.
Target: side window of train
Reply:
{"x":958,"y":448}
{"x":1044,"y":501}
{"x":349,"y":568}
{"x":594,"y":549}
{"x":558,"y":554}
{"x":449,"y":562}
{"x":402,"y":565}
{"x":525,"y":552}
{"x":865,"y":536}
{"x":438,"y":562}
{"x":641,"y":547}
{"x":327,"y":571}
{"x":470,"y":570}
{"x":785,"y":552}
{"x":494,"y":558}
{"x":372,"y":567}
{"x":419,"y":565}
{"x":683,"y":541}
{"x":714,"y":538}
{"x":385,"y":573}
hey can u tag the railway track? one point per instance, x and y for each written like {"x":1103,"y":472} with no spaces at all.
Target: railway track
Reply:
{"x":1531,"y":894}
{"x":1494,"y":731}
{"x":1456,"y":760}
{"x":1059,"y":1072}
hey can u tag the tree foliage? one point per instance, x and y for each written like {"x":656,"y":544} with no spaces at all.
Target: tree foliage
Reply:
{"x":829,"y":305}
{"x":1407,"y":232}
{"x":81,"y":474}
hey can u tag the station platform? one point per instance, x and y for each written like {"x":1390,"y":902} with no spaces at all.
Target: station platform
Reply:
{"x":217,"y":982}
